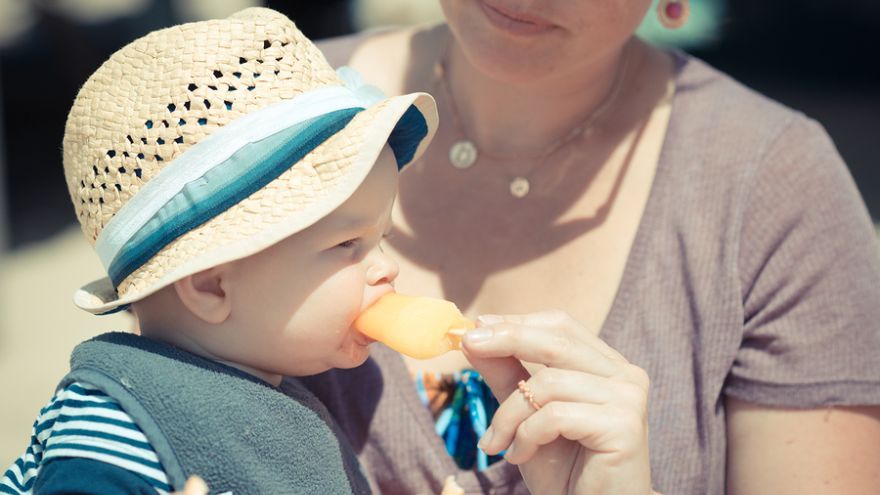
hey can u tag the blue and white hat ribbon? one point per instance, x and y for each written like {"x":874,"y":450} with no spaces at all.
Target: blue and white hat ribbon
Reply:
{"x":235,"y":161}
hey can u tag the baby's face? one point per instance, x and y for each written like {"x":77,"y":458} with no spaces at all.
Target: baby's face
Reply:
{"x":296,"y":301}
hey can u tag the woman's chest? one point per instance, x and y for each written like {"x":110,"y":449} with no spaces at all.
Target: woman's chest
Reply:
{"x":494,"y":273}
{"x":494,"y":254}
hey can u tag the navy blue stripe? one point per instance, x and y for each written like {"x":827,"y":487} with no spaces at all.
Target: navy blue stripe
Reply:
{"x":22,"y":466}
{"x":64,"y":418}
{"x":278,"y":160}
{"x":408,"y":133}
{"x":11,"y":477}
{"x":38,"y":454}
{"x":6,"y":489}
{"x":104,"y":435}
{"x":79,"y":404}
{"x":99,"y":450}
{"x":73,"y":387}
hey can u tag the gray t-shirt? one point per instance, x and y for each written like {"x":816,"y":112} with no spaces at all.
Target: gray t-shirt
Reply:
{"x":755,"y":273}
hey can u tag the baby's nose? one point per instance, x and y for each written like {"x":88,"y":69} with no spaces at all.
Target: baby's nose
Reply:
{"x":384,"y":269}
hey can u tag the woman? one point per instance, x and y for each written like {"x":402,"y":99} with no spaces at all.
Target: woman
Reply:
{"x":688,"y":230}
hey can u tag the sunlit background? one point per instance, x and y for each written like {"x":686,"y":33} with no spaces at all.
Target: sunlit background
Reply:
{"x":816,"y":56}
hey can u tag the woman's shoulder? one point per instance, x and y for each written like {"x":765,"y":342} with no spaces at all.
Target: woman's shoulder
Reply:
{"x":712,"y":99}
{"x":720,"y":117}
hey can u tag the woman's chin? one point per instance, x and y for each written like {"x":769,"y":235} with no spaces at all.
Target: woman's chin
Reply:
{"x":510,"y":64}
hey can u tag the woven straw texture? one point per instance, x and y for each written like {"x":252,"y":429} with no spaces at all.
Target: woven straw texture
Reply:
{"x":163,"y":93}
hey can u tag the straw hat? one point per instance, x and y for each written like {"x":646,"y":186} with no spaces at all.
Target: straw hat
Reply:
{"x":210,"y":141}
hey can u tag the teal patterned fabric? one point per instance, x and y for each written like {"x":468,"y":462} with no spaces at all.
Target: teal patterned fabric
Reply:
{"x":464,"y":419}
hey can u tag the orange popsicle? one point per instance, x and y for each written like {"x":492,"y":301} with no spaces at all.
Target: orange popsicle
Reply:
{"x":416,"y":326}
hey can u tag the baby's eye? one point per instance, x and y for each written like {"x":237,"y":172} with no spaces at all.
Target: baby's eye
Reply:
{"x":351,"y":243}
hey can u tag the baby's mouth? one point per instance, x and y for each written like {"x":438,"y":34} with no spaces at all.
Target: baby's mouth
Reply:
{"x":360,"y":338}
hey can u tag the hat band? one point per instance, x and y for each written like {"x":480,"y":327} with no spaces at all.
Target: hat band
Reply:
{"x":249,"y":169}
{"x":216,"y":148}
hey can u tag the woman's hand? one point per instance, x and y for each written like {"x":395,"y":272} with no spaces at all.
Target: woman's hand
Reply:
{"x":589,"y":432}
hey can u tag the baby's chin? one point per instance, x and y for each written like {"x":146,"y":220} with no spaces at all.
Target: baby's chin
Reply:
{"x":349,"y":355}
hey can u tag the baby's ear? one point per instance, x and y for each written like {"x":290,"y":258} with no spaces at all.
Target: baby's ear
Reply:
{"x":205,"y":296}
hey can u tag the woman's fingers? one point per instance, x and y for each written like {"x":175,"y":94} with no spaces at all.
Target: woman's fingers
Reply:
{"x":501,"y":374}
{"x":550,"y":386}
{"x":604,"y":428}
{"x":554,"y":319}
{"x":551,"y":346}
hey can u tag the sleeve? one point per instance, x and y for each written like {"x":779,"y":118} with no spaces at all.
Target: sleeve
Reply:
{"x":82,"y":422}
{"x":79,"y":476}
{"x":809,"y":266}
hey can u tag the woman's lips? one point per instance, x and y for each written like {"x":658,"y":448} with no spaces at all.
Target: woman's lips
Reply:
{"x":518,"y":23}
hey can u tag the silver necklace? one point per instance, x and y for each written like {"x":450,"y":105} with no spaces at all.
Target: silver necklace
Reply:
{"x":464,"y":152}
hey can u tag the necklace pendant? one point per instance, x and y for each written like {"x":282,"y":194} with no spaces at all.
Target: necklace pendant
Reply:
{"x":519,"y":187}
{"x":462,"y":154}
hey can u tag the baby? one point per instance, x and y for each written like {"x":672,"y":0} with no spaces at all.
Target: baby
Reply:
{"x":236,"y":189}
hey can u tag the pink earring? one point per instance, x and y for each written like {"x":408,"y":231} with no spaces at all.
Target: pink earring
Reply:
{"x":673,"y":14}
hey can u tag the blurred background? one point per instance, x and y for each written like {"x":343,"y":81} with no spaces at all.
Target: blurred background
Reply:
{"x":812,"y":55}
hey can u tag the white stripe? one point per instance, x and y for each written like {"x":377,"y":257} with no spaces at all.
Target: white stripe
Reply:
{"x":69,"y":411}
{"x":88,"y":398}
{"x":32,"y":451}
{"x":86,"y":386}
{"x":95,"y":411}
{"x":62,"y":396}
{"x":109,"y":459}
{"x":103,"y":428}
{"x":67,"y":393}
{"x":16,"y":473}
{"x":47,"y":414}
{"x":30,"y":473}
{"x":29,"y":457}
{"x":5,"y":481}
{"x":73,"y":412}
{"x":122,"y":448}
{"x":24,"y":477}
{"x":213,"y":150}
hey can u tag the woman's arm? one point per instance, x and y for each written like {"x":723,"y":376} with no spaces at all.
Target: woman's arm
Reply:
{"x":794,"y":451}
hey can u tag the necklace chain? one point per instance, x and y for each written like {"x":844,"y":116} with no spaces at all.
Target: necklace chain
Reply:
{"x":464,"y":152}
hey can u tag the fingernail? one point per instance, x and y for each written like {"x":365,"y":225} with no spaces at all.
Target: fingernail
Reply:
{"x":487,"y":438}
{"x":478,"y":336}
{"x":489,"y":319}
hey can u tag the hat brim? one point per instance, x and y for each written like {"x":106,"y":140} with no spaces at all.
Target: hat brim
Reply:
{"x":273,"y":214}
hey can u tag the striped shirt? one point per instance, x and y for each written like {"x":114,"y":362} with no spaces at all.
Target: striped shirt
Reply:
{"x":83,"y":422}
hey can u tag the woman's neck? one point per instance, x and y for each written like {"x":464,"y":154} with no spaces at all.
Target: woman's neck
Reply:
{"x":504,"y":118}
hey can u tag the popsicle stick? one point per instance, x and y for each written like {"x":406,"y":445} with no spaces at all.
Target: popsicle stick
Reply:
{"x":458,"y":332}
